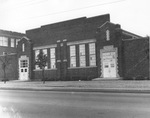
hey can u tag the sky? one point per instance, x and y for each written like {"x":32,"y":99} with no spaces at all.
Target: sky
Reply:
{"x":22,"y":15}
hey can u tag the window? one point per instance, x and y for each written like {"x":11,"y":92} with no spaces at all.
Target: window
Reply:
{"x":92,"y":56}
{"x":107,"y":35}
{"x":72,"y":56}
{"x":17,"y":40}
{"x":45,"y":53}
{"x":52,"y":58}
{"x":24,"y":63}
{"x":3,"y":41}
{"x":12,"y":44}
{"x":23,"y":47}
{"x":36,"y":57}
{"x":82,"y":55}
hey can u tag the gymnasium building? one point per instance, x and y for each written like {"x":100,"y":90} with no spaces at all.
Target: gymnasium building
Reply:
{"x":82,"y":49}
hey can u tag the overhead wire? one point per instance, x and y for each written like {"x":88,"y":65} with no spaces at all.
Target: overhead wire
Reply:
{"x":76,"y":9}
{"x":24,"y":4}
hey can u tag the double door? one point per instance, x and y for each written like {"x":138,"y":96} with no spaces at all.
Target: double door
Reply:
{"x":23,"y":69}
{"x":109,"y":65}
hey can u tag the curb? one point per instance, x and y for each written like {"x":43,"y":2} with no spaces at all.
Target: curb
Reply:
{"x":82,"y":90}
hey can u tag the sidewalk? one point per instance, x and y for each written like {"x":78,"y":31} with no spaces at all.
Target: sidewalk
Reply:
{"x":80,"y":86}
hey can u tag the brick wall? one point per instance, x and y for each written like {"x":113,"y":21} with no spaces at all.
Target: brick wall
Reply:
{"x":115,"y":41}
{"x":135,"y":58}
{"x":73,"y":30}
{"x":8,"y":50}
{"x":11,"y":68}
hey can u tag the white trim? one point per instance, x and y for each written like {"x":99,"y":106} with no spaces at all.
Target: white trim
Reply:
{"x":130,"y":39}
{"x":82,"y":67}
{"x":65,"y":40}
{"x":58,"y":41}
{"x":82,"y":42}
{"x":131,"y":34}
{"x":65,"y":60}
{"x":45,"y":69}
{"x":13,"y":36}
{"x":58,"y":60}
{"x":12,"y":54}
{"x":46,"y":46}
{"x":134,"y":39}
{"x":24,"y":37}
{"x":9,"y":54}
{"x":104,"y":24}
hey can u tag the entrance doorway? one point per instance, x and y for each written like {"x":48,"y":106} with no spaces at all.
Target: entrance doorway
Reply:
{"x":23,"y":68}
{"x":109,"y":65}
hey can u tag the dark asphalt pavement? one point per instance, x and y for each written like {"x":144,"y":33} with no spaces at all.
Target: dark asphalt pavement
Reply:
{"x":51,"y":104}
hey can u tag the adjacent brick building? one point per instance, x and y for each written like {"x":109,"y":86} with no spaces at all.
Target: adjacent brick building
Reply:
{"x":8,"y":52}
{"x":83,"y":49}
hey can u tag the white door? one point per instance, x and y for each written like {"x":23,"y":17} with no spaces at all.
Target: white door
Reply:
{"x":113,"y":69}
{"x":109,"y":65}
{"x":23,"y":69}
{"x":106,"y":69}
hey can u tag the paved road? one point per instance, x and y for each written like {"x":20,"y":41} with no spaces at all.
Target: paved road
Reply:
{"x":46,"y":104}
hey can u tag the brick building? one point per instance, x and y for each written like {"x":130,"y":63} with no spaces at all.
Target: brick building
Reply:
{"x":86,"y":48}
{"x":83,"y":49}
{"x":8,"y":47}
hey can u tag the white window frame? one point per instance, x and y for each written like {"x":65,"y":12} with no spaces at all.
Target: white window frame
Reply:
{"x":12,"y":43}
{"x":3,"y":41}
{"x":52,"y":58}
{"x":36,"y":54}
{"x":92,"y":54}
{"x":23,"y":63}
{"x":82,"y":59}
{"x":45,"y":53}
{"x":17,"y":40}
{"x":72,"y":56}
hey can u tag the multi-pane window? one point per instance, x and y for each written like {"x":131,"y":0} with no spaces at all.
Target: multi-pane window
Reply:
{"x":52,"y":58}
{"x":82,"y":55}
{"x":23,"y":63}
{"x":92,"y":56}
{"x":36,"y":57}
{"x":3,"y":41}
{"x":17,"y":40}
{"x":45,"y":53}
{"x":72,"y":56}
{"x":12,"y":44}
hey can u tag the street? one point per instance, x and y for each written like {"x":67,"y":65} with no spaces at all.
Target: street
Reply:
{"x":50,"y":104}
